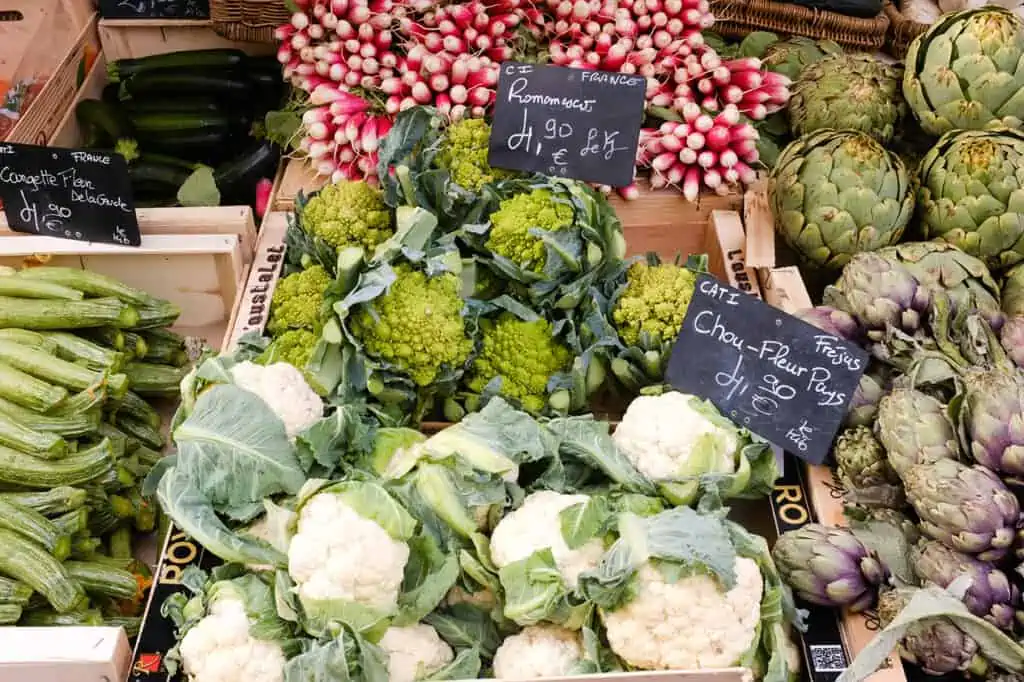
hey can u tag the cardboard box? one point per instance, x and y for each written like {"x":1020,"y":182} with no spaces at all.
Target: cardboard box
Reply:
{"x":67,"y":654}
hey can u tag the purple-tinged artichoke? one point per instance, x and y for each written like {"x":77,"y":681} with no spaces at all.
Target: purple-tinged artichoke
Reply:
{"x":964,"y":507}
{"x":868,"y":478}
{"x":872,"y":387}
{"x":1013,"y":306}
{"x":862,"y":516}
{"x":879,"y":293}
{"x":1012,"y":338}
{"x":990,"y":595}
{"x":831,"y":321}
{"x":936,"y":645}
{"x":991,"y":415}
{"x":915,"y":429}
{"x":829,"y":566}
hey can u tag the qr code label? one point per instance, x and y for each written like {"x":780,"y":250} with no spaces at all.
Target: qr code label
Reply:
{"x":827,"y":658}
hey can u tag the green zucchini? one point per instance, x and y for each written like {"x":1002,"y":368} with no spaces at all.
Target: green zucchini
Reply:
{"x":121,"y":543}
{"x":13,"y":592}
{"x":107,"y":336}
{"x":19,"y":287}
{"x":27,"y":391}
{"x":17,"y":468}
{"x":237,"y":178}
{"x":134,"y":406}
{"x":9,"y":613}
{"x":84,"y":545}
{"x":147,"y":456}
{"x":148,"y":125}
{"x":105,"y":581}
{"x":118,"y":439}
{"x":56,"y":371}
{"x":85,"y":400}
{"x":26,"y":338}
{"x":168,"y":179}
{"x":33,"y":526}
{"x":141,"y":431}
{"x":164,"y":351}
{"x":103,"y":521}
{"x":74,"y":348}
{"x":174,"y":105}
{"x":92,"y":283}
{"x":132,"y":624}
{"x":161,"y":314}
{"x":154,"y":380}
{"x":69,"y":425}
{"x":54,"y":501}
{"x":74,"y":522}
{"x":136,"y":343}
{"x":48,"y":618}
{"x":213,"y":59}
{"x":105,"y":118}
{"x":29,"y":563}
{"x":190,"y":143}
{"x":49,"y":314}
{"x":35,"y":443}
{"x":185,"y":83}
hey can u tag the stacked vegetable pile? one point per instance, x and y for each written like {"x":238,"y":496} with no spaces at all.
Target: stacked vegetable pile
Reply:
{"x":504,"y":545}
{"x":80,"y":357}
{"x":362,"y":62}
{"x":963,"y":81}
{"x":929,"y":462}
{"x":455,"y":282}
{"x":189,"y":124}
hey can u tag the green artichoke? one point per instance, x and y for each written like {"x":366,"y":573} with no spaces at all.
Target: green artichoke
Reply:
{"x":791,"y":56}
{"x":990,"y":594}
{"x":848,"y":92}
{"x":991,"y":415}
{"x":964,"y":507}
{"x":874,"y":384}
{"x":915,"y":429}
{"x":867,"y":477}
{"x":966,"y":72}
{"x":829,"y":566}
{"x":837,"y":193}
{"x":937,"y":645}
{"x":971,"y":193}
{"x":899,"y":521}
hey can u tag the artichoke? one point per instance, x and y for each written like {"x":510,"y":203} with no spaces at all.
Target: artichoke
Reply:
{"x":966,"y":72}
{"x":874,"y":384}
{"x":991,"y":415}
{"x":990,"y":595}
{"x":1012,"y":333}
{"x":966,"y":508}
{"x":867,"y":477}
{"x":915,"y":429}
{"x":789,"y":57}
{"x":971,"y":193}
{"x":899,"y":521}
{"x":880,"y":293}
{"x":848,"y":92}
{"x":835,"y":322}
{"x":829,"y":566}
{"x":937,"y":645}
{"x":837,"y":193}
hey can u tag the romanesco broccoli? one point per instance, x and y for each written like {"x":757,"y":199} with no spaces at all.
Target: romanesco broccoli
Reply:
{"x":464,"y":154}
{"x":297,"y":301}
{"x":417,"y":325}
{"x":294,"y":346}
{"x":510,"y":225}
{"x":655,"y":301}
{"x":350,"y":213}
{"x":524,"y":354}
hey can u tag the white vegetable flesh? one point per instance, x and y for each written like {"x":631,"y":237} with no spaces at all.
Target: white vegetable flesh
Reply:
{"x":414,"y":652}
{"x":219,"y":648}
{"x":538,"y":651}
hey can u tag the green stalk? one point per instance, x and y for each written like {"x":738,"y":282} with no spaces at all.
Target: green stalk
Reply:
{"x":108,"y":336}
{"x":74,"y":522}
{"x":142,"y":432}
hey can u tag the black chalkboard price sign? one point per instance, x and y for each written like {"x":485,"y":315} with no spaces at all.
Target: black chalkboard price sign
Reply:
{"x":781,"y":378}
{"x":155,"y":9}
{"x":564,"y":122}
{"x":68,"y":193}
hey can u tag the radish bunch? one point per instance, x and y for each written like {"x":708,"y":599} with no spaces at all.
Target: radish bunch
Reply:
{"x":342,"y":134}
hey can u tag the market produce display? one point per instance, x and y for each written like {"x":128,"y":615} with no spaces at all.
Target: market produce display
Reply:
{"x":190,"y":125}
{"x":85,"y":361}
{"x":359,"y":63}
{"x":930,"y":479}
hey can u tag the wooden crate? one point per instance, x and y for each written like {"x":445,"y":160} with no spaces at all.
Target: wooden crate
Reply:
{"x":72,"y":60}
{"x":130,"y":38}
{"x":197,"y":258}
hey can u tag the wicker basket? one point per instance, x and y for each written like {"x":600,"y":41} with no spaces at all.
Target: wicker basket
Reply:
{"x":248,"y":21}
{"x":737,"y":18}
{"x":902,"y":31}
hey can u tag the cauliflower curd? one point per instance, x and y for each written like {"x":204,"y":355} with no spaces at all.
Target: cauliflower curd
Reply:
{"x":538,"y":651}
{"x":687,"y":624}
{"x":349,"y":213}
{"x":654,"y":302}
{"x":414,"y":652}
{"x":283,"y":388}
{"x":535,"y":526}
{"x":337,"y":553}
{"x":511,"y":224}
{"x":219,"y":647}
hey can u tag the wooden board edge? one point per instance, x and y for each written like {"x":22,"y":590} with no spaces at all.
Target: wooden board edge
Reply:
{"x":726,"y":248}
{"x":253,"y":303}
{"x":757,"y":216}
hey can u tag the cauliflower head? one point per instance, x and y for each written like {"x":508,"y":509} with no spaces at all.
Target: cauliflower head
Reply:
{"x":284,"y":389}
{"x":414,"y":652}
{"x":524,"y":354}
{"x":675,"y":435}
{"x":689,"y":623}
{"x":338,"y":554}
{"x":349,"y":213}
{"x":219,"y":647}
{"x":417,"y":325}
{"x":297,"y":301}
{"x":536,"y":526}
{"x":654,"y":301}
{"x":511,"y":223}
{"x":463,"y":154}
{"x":538,"y":651}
